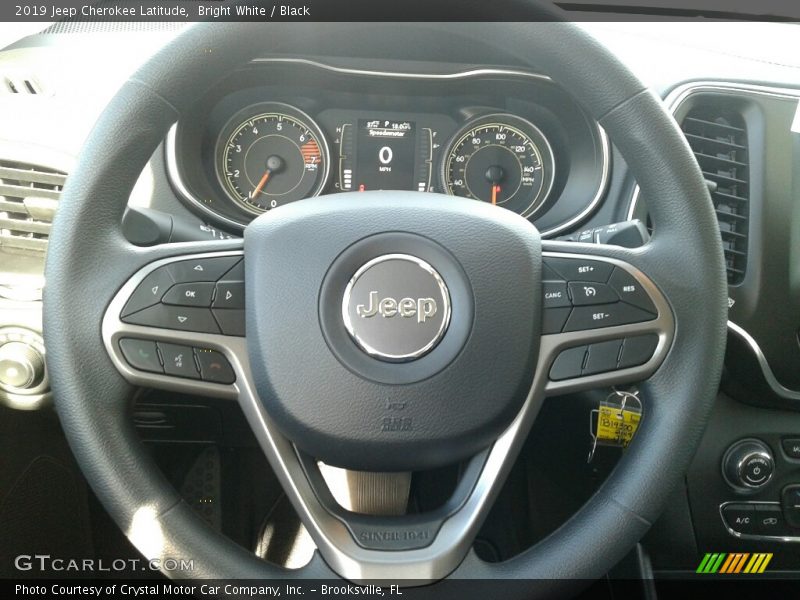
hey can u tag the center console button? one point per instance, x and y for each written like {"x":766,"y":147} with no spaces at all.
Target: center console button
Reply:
{"x":790,"y":500}
{"x":741,"y":518}
{"x":770,"y":520}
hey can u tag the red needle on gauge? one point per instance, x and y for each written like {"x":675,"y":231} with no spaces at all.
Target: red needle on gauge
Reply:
{"x":274,"y":164}
{"x":261,"y":183}
{"x":495,"y":175}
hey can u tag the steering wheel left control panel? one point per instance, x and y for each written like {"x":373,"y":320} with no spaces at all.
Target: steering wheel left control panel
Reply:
{"x":180,"y":323}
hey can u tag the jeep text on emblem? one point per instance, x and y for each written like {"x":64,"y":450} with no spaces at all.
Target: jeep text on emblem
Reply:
{"x":389,"y":307}
{"x":396,"y":307}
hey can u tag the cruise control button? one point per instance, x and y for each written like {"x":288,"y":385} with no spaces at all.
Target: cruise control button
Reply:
{"x":770,"y":520}
{"x":229,"y":294}
{"x":605,"y":315}
{"x":568,"y":364}
{"x":148,"y":292}
{"x":574,"y":269}
{"x":637,"y":350}
{"x":587,"y":292}
{"x":214,"y":367}
{"x":741,"y":518}
{"x":201,"y":269}
{"x":230,"y":321}
{"x":553,"y":319}
{"x":555,"y":294}
{"x":630,"y":290}
{"x":183,"y":318}
{"x":189,"y":294}
{"x":602,"y":357}
{"x":141,"y":354}
{"x":178,"y":360}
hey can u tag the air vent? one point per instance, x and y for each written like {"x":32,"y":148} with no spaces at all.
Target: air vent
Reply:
{"x":21,"y":85}
{"x":28,"y":201}
{"x":718,"y":137}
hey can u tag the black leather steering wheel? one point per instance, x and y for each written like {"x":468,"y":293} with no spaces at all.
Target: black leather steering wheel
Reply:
{"x":308,"y":388}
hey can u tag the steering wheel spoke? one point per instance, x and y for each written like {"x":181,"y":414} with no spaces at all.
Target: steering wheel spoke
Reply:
{"x":605,"y":322}
{"x":178,"y":322}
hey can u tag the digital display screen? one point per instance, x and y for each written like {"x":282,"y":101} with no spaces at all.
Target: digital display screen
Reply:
{"x":385,"y":155}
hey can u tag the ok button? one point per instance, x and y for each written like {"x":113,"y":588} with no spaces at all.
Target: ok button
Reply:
{"x":189,"y":294}
{"x":584,"y":293}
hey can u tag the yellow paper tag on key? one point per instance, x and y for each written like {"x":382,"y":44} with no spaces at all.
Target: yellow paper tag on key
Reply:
{"x":617,"y":425}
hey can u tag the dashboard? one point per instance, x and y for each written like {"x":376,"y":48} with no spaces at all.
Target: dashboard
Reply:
{"x":280,"y":130}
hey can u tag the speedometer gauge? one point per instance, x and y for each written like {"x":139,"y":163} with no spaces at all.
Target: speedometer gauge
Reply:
{"x":501,"y":159}
{"x":270,"y":155}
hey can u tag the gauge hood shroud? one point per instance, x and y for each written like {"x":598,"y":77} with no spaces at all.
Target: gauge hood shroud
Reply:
{"x":343,"y":407}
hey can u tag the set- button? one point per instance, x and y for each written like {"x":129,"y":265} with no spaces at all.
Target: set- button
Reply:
{"x":588,"y":294}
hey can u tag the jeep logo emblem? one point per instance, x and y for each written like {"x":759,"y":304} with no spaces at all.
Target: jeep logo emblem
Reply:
{"x":396,"y":307}
{"x":422,"y":308}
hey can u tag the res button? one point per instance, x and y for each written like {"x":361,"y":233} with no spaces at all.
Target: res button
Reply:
{"x":630,"y":290}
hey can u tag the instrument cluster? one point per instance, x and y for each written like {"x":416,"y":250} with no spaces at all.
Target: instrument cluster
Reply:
{"x":283,"y":130}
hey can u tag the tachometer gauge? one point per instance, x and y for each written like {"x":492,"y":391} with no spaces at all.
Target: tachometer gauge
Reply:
{"x":270,"y":155}
{"x":501,"y":159}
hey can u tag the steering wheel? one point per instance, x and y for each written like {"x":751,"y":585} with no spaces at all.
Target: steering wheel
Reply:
{"x":385,"y":331}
